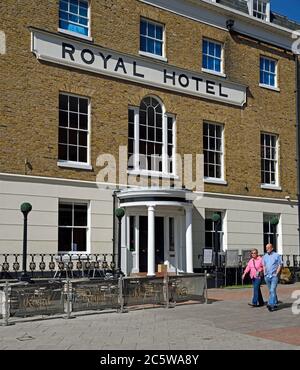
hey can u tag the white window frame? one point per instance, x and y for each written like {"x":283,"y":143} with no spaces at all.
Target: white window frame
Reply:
{"x":88,"y":227}
{"x":266,"y":218}
{"x":275,"y":186}
{"x":153,"y":55}
{"x":268,"y":10}
{"x":74,"y":164}
{"x":271,"y":87}
{"x":211,"y":71}
{"x":77,"y":34}
{"x":208,"y":215}
{"x":141,"y":171}
{"x":216,"y":180}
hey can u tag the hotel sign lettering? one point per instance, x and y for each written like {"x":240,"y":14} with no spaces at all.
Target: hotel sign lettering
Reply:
{"x":86,"y":56}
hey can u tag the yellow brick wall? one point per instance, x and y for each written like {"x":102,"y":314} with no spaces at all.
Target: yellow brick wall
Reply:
{"x":29,"y":95}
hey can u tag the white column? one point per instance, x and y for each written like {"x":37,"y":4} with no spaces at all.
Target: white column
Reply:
{"x":189,"y":239}
{"x":151,"y":241}
{"x":177,"y":240}
{"x":137,"y":243}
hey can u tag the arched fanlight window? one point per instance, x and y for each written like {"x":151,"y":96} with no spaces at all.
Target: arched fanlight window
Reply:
{"x":150,"y":137}
{"x":151,"y":134}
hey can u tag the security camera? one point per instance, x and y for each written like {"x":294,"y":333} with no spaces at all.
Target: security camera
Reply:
{"x":287,"y":197}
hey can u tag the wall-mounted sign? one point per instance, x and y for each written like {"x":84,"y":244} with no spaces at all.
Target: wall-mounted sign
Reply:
{"x":89,"y":57}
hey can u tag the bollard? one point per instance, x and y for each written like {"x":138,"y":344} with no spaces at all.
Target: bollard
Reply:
{"x":205,"y":287}
{"x":121,"y":298}
{"x":68,"y":293}
{"x":166,"y":289}
{"x":5,"y":306}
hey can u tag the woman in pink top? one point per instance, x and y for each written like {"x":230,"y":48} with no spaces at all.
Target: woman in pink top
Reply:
{"x":255,"y":267}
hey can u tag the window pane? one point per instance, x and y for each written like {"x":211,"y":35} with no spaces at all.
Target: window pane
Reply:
{"x":63,"y":15}
{"x":63,"y":5}
{"x":151,"y":133}
{"x":151,"y":29}
{"x":143,"y":28}
{"x":73,"y":137}
{"x":159,"y":32}
{"x":83,"y":11}
{"x":63,"y":119}
{"x":158,"y":48}
{"x":210,"y":64}
{"x":131,"y":115}
{"x":131,"y":130}
{"x":73,"y":120}
{"x":211,"y":48}
{"x":82,"y":138}
{"x":73,"y":153}
{"x":63,"y":136}
{"x":65,"y":214}
{"x":83,"y":105}
{"x":82,"y":154}
{"x":83,"y":122}
{"x":64,"y":239}
{"x":142,"y":132}
{"x":158,"y":135}
{"x":143,"y":42}
{"x":79,"y":240}
{"x":63,"y":102}
{"x":62,"y":152}
{"x":218,"y":65}
{"x":150,"y":46}
{"x":80,"y":215}
{"x":159,"y":120}
{"x":218,"y":50}
{"x":73,"y":101}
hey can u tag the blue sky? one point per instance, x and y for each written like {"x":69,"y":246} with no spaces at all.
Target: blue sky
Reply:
{"x":290,"y":8}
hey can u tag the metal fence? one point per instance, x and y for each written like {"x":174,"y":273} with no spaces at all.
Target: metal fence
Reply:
{"x":64,"y":297}
{"x":231,"y":265}
{"x":60,"y":265}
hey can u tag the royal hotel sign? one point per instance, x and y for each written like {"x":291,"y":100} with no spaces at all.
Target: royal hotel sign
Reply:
{"x":92,"y":58}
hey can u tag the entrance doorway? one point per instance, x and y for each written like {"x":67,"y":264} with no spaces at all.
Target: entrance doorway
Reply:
{"x":143,"y":242}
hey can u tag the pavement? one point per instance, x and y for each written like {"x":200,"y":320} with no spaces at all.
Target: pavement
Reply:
{"x":226,"y":322}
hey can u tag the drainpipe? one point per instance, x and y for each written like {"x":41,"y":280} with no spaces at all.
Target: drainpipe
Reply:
{"x":298,"y":140}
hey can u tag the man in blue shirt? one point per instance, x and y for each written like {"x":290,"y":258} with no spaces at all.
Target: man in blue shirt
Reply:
{"x":272,"y":262}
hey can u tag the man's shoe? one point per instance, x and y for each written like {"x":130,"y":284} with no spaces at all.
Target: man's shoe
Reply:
{"x":252,"y":305}
{"x":271,"y":309}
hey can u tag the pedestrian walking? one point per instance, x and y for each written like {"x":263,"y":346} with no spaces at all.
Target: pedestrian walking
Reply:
{"x":272,"y":263}
{"x":255,"y":268}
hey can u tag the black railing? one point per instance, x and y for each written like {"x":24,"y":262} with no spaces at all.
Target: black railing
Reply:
{"x":57,"y":265}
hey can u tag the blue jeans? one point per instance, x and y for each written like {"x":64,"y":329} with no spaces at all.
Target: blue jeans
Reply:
{"x":272,"y":285}
{"x":257,"y":299}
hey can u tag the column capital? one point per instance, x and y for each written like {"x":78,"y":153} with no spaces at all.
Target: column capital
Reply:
{"x":151,"y":207}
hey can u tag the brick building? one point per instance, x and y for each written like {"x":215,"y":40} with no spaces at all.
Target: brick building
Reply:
{"x":86,"y":84}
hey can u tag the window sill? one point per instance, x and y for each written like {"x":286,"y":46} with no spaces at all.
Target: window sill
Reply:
{"x":215,"y":181}
{"x":75,"y":34}
{"x":152,"y":174}
{"x":271,"y":187}
{"x":273,"y":88}
{"x":76,"y":165}
{"x":215,"y":73}
{"x":158,"y":57}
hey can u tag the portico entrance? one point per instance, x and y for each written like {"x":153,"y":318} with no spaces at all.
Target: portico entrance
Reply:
{"x":156,"y":229}
{"x":143,"y":242}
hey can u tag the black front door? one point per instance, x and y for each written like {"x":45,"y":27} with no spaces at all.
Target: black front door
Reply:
{"x":143,"y":244}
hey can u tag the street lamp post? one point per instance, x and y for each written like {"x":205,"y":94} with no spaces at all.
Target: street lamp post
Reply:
{"x":216,"y":219}
{"x":120,"y":212}
{"x":274,"y":222}
{"x":25,"y":209}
